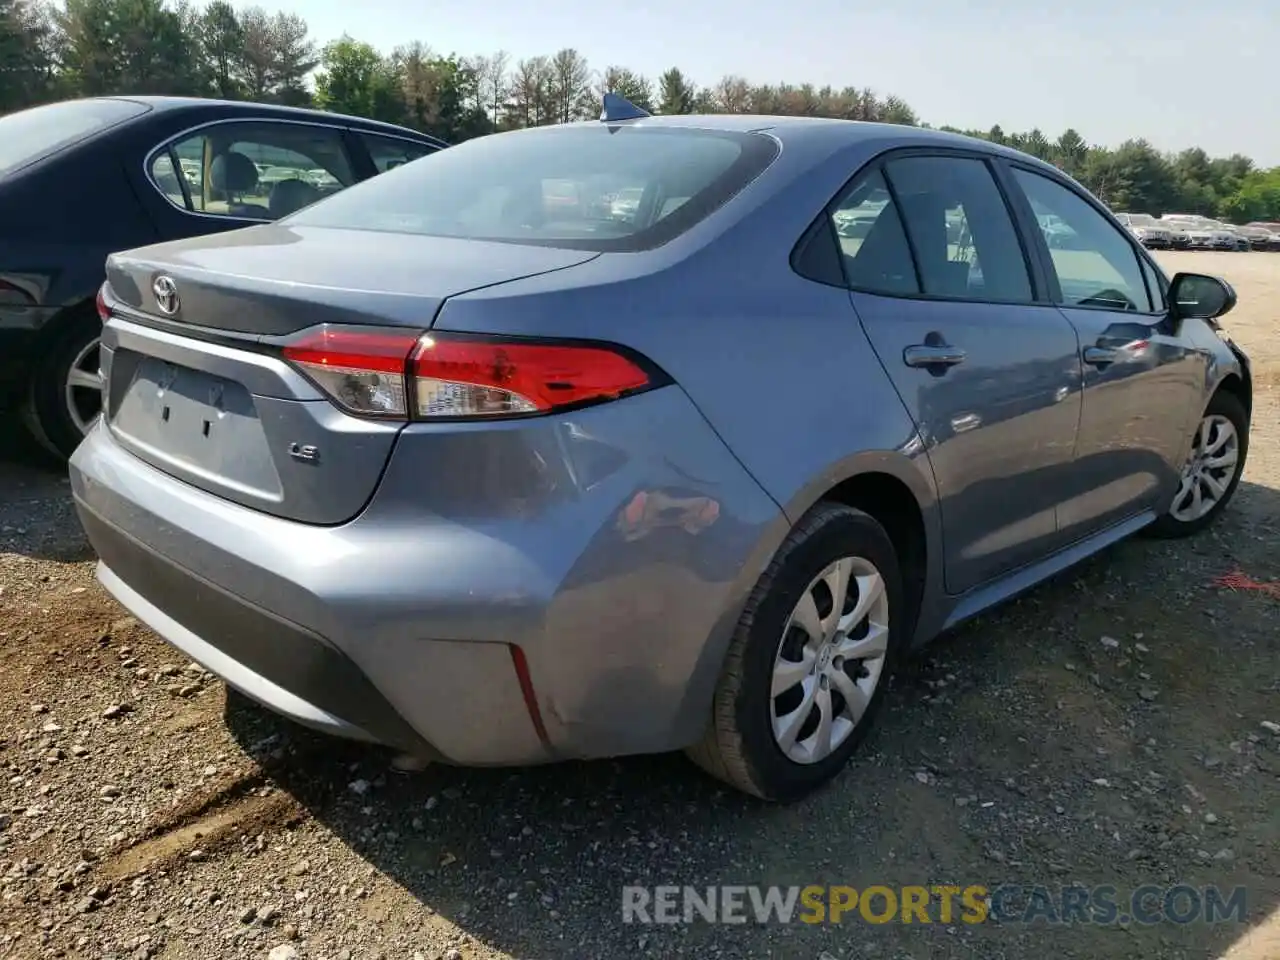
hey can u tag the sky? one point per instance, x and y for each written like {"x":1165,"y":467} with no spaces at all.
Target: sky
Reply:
{"x":1179,"y":73}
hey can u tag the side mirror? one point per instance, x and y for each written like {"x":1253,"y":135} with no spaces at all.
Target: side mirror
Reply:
{"x":1194,"y":296}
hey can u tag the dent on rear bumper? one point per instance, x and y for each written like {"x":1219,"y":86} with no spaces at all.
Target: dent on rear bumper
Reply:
{"x":615,"y":546}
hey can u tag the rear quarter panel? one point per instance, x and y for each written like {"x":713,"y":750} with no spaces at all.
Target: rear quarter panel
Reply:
{"x":59,"y":219}
{"x":778,"y":364}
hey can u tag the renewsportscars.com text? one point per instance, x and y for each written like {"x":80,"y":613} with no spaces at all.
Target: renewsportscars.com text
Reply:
{"x":938,"y":903}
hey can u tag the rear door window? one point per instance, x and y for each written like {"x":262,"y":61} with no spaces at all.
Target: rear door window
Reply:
{"x":254,"y":170}
{"x":961,"y":231}
{"x":31,"y":135}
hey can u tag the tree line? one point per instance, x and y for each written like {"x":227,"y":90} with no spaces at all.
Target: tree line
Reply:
{"x":96,"y":47}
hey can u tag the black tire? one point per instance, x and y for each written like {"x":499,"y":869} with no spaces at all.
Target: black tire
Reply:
{"x":47,"y":416}
{"x":1169,"y":527}
{"x":739,"y":746}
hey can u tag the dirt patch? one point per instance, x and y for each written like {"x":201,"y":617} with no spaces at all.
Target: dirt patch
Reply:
{"x":203,"y":834}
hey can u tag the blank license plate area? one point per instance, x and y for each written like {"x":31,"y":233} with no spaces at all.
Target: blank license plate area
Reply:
{"x":197,"y":424}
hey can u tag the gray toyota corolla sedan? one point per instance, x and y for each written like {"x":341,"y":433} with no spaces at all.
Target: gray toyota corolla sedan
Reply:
{"x":643,"y":434}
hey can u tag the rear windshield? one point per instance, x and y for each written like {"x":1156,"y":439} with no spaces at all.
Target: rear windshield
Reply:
{"x":584,"y":187}
{"x":30,"y":135}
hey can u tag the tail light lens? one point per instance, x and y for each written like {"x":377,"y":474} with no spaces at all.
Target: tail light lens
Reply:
{"x":104,"y":312}
{"x":447,"y":376}
{"x":363,"y":371}
{"x":483,"y":377}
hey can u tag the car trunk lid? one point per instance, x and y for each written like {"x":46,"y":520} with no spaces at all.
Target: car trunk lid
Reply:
{"x":196,"y":384}
{"x":275,"y":279}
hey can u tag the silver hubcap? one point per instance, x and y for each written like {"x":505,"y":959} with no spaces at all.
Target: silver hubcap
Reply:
{"x":1214,"y":455}
{"x":83,"y":389}
{"x":829,"y":660}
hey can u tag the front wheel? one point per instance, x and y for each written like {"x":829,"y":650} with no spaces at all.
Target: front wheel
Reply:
{"x":808,"y":665}
{"x":1212,"y":471}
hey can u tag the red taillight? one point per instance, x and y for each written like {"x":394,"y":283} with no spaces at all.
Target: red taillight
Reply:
{"x":104,"y":312}
{"x":443,"y":376}
{"x":487,"y":377}
{"x":362,"y":370}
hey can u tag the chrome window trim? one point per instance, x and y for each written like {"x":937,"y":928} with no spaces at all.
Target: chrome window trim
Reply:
{"x":431,"y":145}
{"x":189,"y":131}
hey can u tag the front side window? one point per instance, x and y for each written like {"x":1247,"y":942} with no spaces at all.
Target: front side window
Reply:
{"x":961,"y":232}
{"x":592,"y":188}
{"x":1156,"y":285}
{"x":253,"y":170}
{"x":1096,"y":264}
{"x":31,"y":135}
{"x":387,"y":153}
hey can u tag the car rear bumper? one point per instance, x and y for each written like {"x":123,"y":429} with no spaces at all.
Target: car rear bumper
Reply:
{"x":292,"y":659}
{"x":491,"y":630}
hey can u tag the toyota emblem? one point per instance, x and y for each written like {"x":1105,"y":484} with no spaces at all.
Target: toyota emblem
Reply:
{"x":166,"y":292}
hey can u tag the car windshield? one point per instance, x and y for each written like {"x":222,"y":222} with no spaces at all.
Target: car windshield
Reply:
{"x":586,"y":187}
{"x":31,"y":135}
{"x":1142,"y":220}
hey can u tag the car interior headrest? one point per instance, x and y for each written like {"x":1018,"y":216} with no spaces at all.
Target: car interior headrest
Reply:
{"x":233,"y":172}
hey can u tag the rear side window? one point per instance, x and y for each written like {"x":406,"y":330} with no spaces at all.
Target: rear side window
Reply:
{"x":591,"y":188}
{"x":253,"y":170}
{"x":31,"y":135}
{"x":877,"y":258}
{"x":960,"y":229}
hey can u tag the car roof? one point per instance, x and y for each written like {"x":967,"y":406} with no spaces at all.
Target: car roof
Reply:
{"x":158,"y":104}
{"x":826,"y":132}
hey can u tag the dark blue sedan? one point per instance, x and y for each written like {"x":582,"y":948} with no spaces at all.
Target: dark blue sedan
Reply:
{"x":83,"y":178}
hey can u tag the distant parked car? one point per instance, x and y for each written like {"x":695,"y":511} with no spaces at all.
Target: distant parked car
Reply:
{"x":1242,"y":241}
{"x":1205,"y":234}
{"x":461,"y":462}
{"x":82,"y":178}
{"x":1150,"y":232}
{"x":1260,"y":237}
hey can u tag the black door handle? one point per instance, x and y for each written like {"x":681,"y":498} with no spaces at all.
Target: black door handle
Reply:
{"x":932,"y":355}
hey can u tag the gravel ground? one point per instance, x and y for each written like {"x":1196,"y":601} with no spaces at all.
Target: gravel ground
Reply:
{"x":1116,"y":726}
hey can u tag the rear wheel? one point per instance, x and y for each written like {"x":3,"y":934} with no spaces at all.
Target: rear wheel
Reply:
{"x":807,"y":668}
{"x":1212,"y":471}
{"x":66,"y":389}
